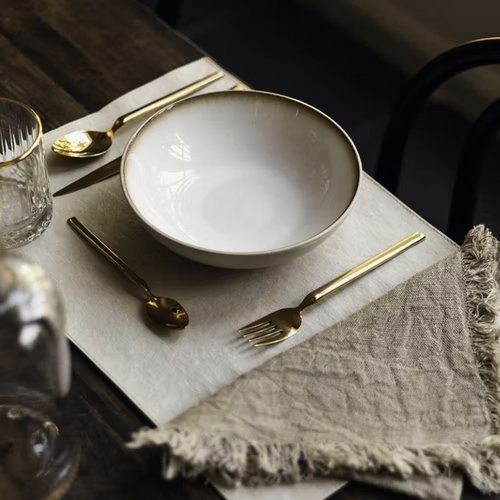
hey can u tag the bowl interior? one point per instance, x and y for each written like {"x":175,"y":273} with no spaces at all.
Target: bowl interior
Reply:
{"x":240,"y":172}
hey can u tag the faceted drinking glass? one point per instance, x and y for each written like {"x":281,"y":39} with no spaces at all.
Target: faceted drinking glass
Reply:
{"x":25,"y":199}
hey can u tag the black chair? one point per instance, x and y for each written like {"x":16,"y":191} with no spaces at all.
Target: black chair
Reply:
{"x":480,"y":139}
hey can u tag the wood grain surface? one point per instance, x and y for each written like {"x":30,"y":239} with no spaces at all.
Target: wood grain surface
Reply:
{"x":67,"y":58}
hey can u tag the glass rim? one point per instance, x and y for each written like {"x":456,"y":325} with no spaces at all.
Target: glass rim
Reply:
{"x":38,"y":137}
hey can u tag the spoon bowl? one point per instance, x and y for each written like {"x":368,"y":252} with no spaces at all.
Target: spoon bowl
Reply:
{"x":83,"y":143}
{"x":167,"y":312}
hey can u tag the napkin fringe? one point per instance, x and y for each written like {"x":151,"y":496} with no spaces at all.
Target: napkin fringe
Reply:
{"x":481,"y":265}
{"x":234,"y":461}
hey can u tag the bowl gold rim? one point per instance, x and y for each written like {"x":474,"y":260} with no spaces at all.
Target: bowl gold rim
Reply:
{"x":301,"y":244}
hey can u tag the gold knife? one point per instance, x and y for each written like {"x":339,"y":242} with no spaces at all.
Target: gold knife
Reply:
{"x":105,"y":172}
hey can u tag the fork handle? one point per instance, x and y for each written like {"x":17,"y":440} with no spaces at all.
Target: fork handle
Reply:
{"x":362,"y":269}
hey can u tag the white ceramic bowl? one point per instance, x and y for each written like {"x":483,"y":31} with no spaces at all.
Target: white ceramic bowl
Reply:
{"x":240,"y":179}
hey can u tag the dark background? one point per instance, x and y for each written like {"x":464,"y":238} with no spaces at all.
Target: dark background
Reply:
{"x":286,"y":47}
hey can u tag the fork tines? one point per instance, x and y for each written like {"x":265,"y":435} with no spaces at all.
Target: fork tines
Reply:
{"x":262,"y":332}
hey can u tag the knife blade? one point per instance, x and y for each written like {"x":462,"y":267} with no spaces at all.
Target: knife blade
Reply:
{"x":105,"y":172}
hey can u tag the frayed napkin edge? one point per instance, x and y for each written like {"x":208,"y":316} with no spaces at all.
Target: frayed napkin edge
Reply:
{"x":235,"y":461}
{"x":481,"y":266}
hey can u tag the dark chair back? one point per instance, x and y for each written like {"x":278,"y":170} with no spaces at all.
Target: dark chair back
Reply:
{"x":482,"y":134}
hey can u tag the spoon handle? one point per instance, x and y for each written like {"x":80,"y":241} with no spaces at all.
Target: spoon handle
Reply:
{"x":103,"y":249}
{"x":166,"y":100}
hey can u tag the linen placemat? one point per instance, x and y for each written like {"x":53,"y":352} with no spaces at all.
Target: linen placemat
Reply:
{"x":166,"y":374}
{"x":408,"y":387}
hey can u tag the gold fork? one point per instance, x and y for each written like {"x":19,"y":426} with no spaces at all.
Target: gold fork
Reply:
{"x":282,"y":324}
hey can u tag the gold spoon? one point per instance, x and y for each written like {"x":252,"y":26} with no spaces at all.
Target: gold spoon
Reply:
{"x":168,"y":312}
{"x":89,"y":143}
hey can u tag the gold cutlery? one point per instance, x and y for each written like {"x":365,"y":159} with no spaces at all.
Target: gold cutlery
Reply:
{"x":164,"y":310}
{"x":105,"y":172}
{"x":89,"y":143}
{"x":282,"y":324}
{"x":99,"y":174}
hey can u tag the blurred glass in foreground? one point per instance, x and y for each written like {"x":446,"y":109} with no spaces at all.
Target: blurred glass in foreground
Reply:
{"x":38,"y":456}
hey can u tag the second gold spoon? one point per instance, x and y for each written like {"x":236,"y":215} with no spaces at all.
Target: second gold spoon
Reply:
{"x":164,"y":310}
{"x":89,"y":143}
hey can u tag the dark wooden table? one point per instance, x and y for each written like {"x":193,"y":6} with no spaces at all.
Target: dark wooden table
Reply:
{"x":67,"y":58}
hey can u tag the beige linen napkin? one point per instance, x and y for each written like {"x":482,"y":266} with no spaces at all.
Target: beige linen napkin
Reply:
{"x":406,"y":389}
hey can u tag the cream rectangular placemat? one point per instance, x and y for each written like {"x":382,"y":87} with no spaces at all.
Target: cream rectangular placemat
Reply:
{"x":167,"y":373}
